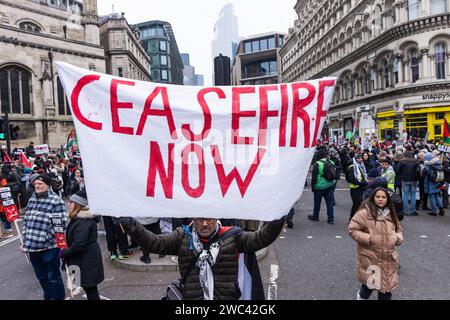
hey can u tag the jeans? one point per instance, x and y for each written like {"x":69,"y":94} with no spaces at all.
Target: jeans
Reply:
{"x":46,"y":267}
{"x":436,"y":202}
{"x":409,"y":193}
{"x":92,"y":293}
{"x":365,"y":293}
{"x":6,"y":223}
{"x":357,"y":198}
{"x":327,"y":194}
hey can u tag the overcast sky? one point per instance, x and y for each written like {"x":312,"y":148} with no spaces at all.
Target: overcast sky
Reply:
{"x":193,"y":21}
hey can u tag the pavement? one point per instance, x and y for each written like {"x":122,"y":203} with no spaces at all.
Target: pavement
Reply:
{"x":312,"y":261}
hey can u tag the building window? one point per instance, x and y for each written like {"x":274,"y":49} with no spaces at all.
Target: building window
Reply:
{"x":413,"y":9}
{"x":260,"y":68}
{"x":15,"y":90}
{"x":438,"y":6}
{"x":414,"y":65}
{"x":248,"y":46}
{"x":29,"y":26}
{"x":63,"y":103}
{"x":164,"y":75}
{"x":120,"y":71}
{"x":395,"y":70}
{"x":155,"y":60}
{"x":385,"y":74}
{"x":164,"y":60}
{"x":439,"y":115}
{"x":155,"y":75}
{"x":280,"y":40}
{"x":255,"y":45}
{"x":271,"y":43}
{"x":162,"y":46}
{"x":153,"y":46}
{"x":440,"y":58}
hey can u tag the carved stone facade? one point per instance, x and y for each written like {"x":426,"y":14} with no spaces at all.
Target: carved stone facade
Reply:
{"x":33,"y":35}
{"x":125,"y":55}
{"x":391,"y":58}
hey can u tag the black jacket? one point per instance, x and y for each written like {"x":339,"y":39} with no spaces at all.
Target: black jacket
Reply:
{"x":225,"y":270}
{"x":408,"y":170}
{"x":84,"y":250}
{"x":352,"y":179}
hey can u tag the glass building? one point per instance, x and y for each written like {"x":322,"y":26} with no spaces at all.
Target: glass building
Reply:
{"x":159,"y":41}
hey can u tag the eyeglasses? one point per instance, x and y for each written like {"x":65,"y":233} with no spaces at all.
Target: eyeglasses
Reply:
{"x":200,"y":220}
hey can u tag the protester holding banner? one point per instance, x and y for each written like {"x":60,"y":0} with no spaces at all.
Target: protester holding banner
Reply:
{"x":204,"y":245}
{"x":376,"y":229}
{"x":83,"y":249}
{"x":116,"y":240}
{"x":45,"y":218}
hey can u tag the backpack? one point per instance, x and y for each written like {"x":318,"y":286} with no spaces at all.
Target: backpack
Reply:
{"x":436,"y":175}
{"x":347,"y":173}
{"x":329,"y":170}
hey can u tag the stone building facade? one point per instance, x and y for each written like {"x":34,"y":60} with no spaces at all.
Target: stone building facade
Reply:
{"x":391,"y":58}
{"x":125,"y":56}
{"x":33,"y":35}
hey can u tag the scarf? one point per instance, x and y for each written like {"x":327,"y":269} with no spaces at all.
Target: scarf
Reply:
{"x":362,"y":167}
{"x":383,"y":213}
{"x":208,"y":253}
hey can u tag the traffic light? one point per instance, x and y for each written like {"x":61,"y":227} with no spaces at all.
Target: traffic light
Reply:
{"x":14,"y":132}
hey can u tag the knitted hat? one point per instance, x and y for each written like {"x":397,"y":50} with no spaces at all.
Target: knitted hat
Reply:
{"x":80,"y":197}
{"x":428,"y":156}
{"x":45,"y":178}
{"x":33,"y":177}
{"x":27,"y":170}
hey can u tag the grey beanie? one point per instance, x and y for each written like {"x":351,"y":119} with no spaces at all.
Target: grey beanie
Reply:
{"x":80,"y":197}
{"x":33,"y":177}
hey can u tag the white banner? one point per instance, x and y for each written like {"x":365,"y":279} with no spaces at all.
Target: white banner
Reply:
{"x":160,"y":150}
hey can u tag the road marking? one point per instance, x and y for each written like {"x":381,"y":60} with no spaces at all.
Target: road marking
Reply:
{"x":273,"y":287}
{"x":424,"y":236}
{"x":338,"y":237}
{"x":309,"y":237}
{"x":282,"y":237}
{"x":7,"y":241}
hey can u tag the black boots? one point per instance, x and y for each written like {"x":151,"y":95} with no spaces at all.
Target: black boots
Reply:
{"x":441,"y":211}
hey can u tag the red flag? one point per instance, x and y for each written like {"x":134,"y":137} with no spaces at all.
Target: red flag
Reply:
{"x":24,"y":160}
{"x":6,"y":157}
{"x":446,"y":133}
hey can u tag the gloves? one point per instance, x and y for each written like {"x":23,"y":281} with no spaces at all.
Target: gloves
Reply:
{"x":127,"y":223}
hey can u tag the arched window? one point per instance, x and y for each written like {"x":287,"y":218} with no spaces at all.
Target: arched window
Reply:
{"x":395,"y":69}
{"x":15,"y":90}
{"x":29,"y":26}
{"x":438,"y":6}
{"x":385,"y":74}
{"x":441,"y":56}
{"x":63,"y":103}
{"x":413,"y":9}
{"x":414,"y":55}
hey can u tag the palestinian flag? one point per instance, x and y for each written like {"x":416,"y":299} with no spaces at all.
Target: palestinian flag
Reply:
{"x":24,"y":160}
{"x":70,"y":144}
{"x":355,"y":135}
{"x":446,"y":133}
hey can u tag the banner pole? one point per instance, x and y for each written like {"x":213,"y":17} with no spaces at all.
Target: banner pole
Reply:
{"x":69,"y":281}
{"x":21,"y":239}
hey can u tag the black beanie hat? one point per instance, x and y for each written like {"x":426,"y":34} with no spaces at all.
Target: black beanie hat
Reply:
{"x":45,"y":178}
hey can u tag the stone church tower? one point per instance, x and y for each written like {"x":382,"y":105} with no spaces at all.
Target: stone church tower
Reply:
{"x":90,"y":22}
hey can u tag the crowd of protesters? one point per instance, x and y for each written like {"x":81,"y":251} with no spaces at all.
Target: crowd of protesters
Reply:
{"x":416,"y":175}
{"x":386,"y":182}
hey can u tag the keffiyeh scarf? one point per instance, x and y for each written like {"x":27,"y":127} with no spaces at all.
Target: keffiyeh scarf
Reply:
{"x":362,"y":167}
{"x":207,"y":258}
